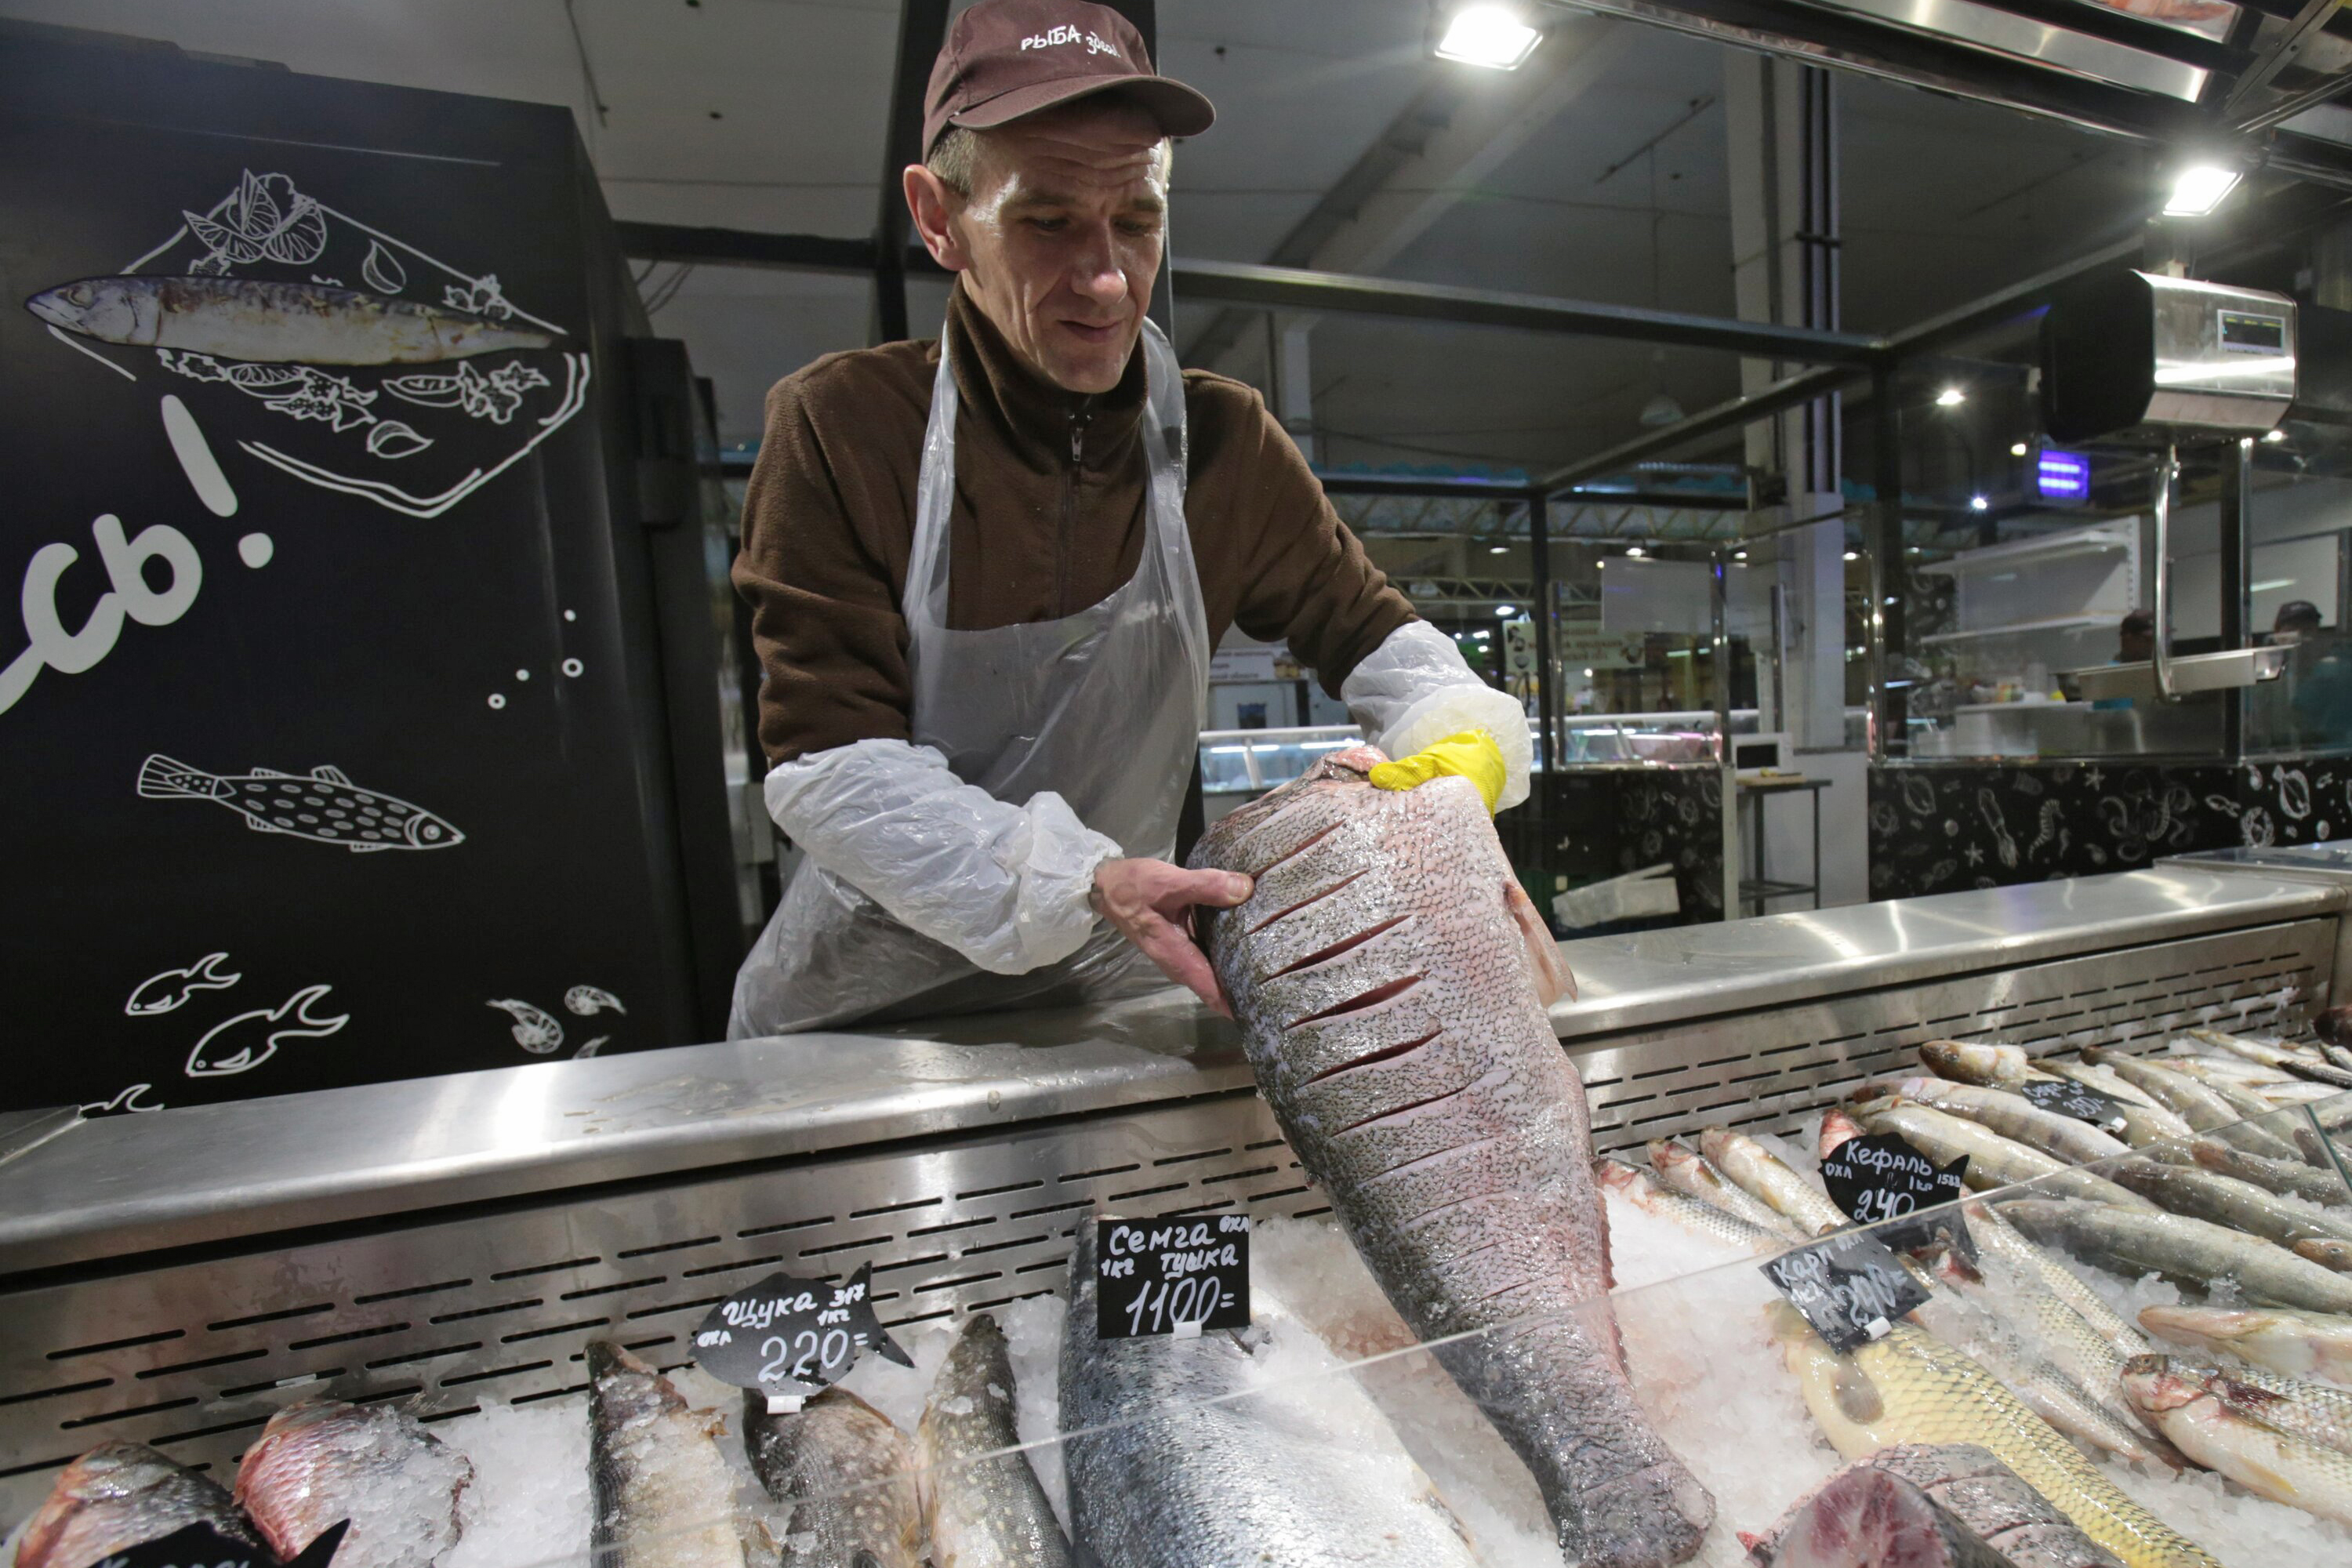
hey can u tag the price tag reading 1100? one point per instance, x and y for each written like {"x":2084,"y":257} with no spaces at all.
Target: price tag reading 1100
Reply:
{"x":1179,"y":1276}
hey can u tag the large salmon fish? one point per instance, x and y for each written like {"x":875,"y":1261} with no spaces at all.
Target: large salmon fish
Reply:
{"x":1391,"y":981}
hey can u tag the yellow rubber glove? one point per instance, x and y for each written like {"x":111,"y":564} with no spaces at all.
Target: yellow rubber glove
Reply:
{"x":1471,"y":755}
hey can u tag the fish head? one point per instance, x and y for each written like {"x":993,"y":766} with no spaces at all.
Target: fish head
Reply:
{"x":1837,"y":1130}
{"x":109,"y":309}
{"x":2151,"y":1382}
{"x":426,"y":831}
{"x":1618,"y":1174}
{"x":2201,"y":1324}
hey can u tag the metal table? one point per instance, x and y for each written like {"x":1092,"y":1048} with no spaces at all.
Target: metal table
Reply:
{"x":1760,"y":889}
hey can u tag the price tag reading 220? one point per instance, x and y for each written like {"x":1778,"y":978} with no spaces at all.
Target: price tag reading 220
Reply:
{"x":1177,"y":1276}
{"x":793,"y":1336}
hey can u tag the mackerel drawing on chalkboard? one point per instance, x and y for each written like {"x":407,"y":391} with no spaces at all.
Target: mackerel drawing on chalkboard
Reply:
{"x":241,"y":1043}
{"x":324,"y":806}
{"x":234,"y":297}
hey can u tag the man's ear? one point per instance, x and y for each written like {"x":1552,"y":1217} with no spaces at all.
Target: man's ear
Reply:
{"x":928,"y":202}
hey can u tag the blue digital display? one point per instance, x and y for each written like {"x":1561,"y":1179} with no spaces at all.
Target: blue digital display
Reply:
{"x":2061,"y":476}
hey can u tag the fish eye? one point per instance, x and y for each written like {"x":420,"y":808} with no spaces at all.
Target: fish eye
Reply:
{"x":432,"y":832}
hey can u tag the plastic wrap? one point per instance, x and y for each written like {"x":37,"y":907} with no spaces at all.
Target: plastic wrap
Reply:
{"x":1415,"y":688}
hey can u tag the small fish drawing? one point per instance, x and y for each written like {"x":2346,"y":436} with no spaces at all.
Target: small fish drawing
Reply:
{"x":533,"y":1030}
{"x":164,"y":992}
{"x":126,"y":1099}
{"x":591,"y":1048}
{"x":222,"y":1053}
{"x":274,"y":324}
{"x":324,"y":806}
{"x":586,"y":999}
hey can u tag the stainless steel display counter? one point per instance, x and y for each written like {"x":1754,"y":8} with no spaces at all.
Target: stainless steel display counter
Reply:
{"x":172,"y":1278}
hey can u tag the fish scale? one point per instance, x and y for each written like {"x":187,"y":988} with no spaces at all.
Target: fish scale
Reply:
{"x":1419,"y":1081}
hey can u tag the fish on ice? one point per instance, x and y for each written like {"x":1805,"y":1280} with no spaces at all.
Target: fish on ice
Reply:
{"x":263,"y":322}
{"x":663,"y":1493}
{"x":1874,"y":1513}
{"x":116,"y":1497}
{"x":2296,"y":1343}
{"x":534,"y":1030}
{"x":322,"y":806}
{"x":847,"y":1476}
{"x":2189,"y":1251}
{"x":1764,"y":1174}
{"x":1391,"y":980}
{"x":983,"y":1503}
{"x":2211,"y":1419}
{"x":169,"y":990}
{"x":324,"y":1462}
{"x":1643,"y":1189}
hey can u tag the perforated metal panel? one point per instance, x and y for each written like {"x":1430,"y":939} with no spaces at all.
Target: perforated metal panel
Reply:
{"x":195,"y":1356}
{"x":1770,"y":1070}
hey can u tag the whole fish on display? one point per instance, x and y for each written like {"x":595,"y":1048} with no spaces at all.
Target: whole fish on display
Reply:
{"x":1993,"y":1160}
{"x":1645,"y":1191}
{"x":1693,"y":1175}
{"x":982,"y":1512}
{"x":322,"y":806}
{"x":848,"y":1477}
{"x":2328,"y":1254}
{"x":1968,"y":1061}
{"x":2012,"y":1116}
{"x":2240,"y":1096}
{"x":1837,"y":1131}
{"x":2287,"y":1177}
{"x":2210,"y":1419}
{"x":2193,"y":1102}
{"x":2224,"y":1200}
{"x":1964,"y":1481}
{"x":2314,"y":1412}
{"x":2298,"y":1344}
{"x":322,"y":1461}
{"x":1997,"y":1238}
{"x":273,"y":323}
{"x":2302,"y":1064}
{"x":662,"y":1492}
{"x":1911,"y":1388}
{"x":2188,"y":1252}
{"x":2145,"y":1122}
{"x":1762,"y":1174}
{"x":1188,"y":1454}
{"x":117,"y":1496}
{"x":1391,"y":980}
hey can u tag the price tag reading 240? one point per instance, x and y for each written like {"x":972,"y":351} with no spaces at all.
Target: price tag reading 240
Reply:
{"x":791,"y":1336}
{"x":1178,"y":1276}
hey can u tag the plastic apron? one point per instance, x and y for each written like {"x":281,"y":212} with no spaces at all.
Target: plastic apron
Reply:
{"x":1104,"y":708}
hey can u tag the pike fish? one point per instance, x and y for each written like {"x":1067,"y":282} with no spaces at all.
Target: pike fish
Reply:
{"x":1970,"y":1061}
{"x":1694,"y":1175}
{"x":1646,"y":1193}
{"x":2224,"y":1200}
{"x":1910,"y":1388}
{"x":982,"y":1504}
{"x":1194,"y":1453}
{"x":1391,"y":980}
{"x":2329,"y":1254}
{"x":2194,"y":1102}
{"x":322,"y":1461}
{"x":2298,"y":1344}
{"x":2187,"y":1251}
{"x":2210,"y":1419}
{"x":2288,"y":1176}
{"x":1993,"y":1160}
{"x":847,"y":1476}
{"x":2148,"y":1126}
{"x":1963,"y":1480}
{"x":663,"y":1495}
{"x":117,"y":1496}
{"x":1763,"y":1174}
{"x":2107,"y":1081}
{"x":2311,"y":1411}
{"x":273,"y":323}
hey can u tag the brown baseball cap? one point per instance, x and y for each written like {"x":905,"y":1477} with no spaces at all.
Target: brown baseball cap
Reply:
{"x":1007,"y":59}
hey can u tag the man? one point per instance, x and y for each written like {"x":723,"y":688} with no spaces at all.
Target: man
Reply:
{"x":986,"y":574}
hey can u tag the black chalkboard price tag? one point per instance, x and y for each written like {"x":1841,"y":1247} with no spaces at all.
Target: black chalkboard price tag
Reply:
{"x":1180,"y":1276}
{"x":199,"y":1545}
{"x":1881,"y":1177}
{"x":787,"y":1336}
{"x":2101,"y":1110}
{"x":1850,"y":1288}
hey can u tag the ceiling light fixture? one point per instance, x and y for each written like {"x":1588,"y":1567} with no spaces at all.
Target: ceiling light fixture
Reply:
{"x":1635,"y":551}
{"x":1505,"y":610}
{"x":1498,"y":550}
{"x":2017,"y":448}
{"x":1950,"y":397}
{"x":2199,"y":189}
{"x":2273,"y":436}
{"x":1495,"y":36}
{"x":1853,"y":555}
{"x":1978,"y":503}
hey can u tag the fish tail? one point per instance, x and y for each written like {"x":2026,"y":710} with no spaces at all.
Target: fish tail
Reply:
{"x":161,"y":778}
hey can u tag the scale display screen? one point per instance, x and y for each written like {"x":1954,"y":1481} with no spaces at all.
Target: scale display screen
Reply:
{"x":2246,"y":333}
{"x":2061,"y":476}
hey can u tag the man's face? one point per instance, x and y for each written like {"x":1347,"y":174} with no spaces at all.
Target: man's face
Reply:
{"x":2134,"y":646}
{"x":1062,"y":236}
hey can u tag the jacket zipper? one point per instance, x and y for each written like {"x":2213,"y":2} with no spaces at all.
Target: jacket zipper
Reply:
{"x":1069,"y":514}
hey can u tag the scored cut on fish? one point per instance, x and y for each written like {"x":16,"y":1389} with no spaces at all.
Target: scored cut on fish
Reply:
{"x":1199,"y":1453}
{"x":981,"y":1501}
{"x":1390,"y":975}
{"x":322,"y":1461}
{"x":662,"y":1492}
{"x":848,"y":1477}
{"x":117,"y":1496}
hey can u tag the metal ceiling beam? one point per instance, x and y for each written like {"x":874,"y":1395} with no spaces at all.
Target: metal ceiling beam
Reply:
{"x":2313,"y":15}
{"x":2303,"y":103}
{"x":1293,"y":288}
{"x":2132,"y":32}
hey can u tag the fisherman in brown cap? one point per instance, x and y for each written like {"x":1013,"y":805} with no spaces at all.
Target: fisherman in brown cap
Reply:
{"x":987,"y":572}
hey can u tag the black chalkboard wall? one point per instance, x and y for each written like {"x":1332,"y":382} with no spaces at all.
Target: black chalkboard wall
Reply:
{"x":332,"y":742}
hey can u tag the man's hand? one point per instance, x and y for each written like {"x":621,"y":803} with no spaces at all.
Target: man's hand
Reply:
{"x":1150,"y":902}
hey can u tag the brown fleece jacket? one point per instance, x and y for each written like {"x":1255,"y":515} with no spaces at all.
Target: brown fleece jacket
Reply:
{"x":828,"y":525}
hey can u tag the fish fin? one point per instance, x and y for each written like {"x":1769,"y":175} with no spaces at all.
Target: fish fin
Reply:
{"x":208,"y":968}
{"x":330,"y":775}
{"x":161,"y":778}
{"x":271,"y":774}
{"x":369,"y":848}
{"x":259,"y":824}
{"x":1552,"y":978}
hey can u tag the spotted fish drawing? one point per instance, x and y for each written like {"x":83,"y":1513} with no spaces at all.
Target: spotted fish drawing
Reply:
{"x":321,"y":805}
